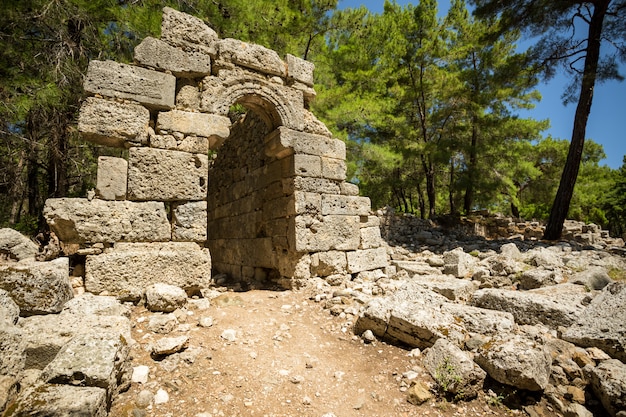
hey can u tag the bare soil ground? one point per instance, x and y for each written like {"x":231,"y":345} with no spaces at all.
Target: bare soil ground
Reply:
{"x":290,"y":357}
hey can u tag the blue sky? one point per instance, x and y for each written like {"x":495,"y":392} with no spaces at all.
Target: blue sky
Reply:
{"x":607,"y":121}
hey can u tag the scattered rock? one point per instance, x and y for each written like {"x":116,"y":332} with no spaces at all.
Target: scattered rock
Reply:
{"x":608,"y":381}
{"x":169,"y":345}
{"x":165,"y":298}
{"x":418,"y":394}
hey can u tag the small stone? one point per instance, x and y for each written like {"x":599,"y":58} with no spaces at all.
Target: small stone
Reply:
{"x":418,"y":394}
{"x":306,"y":401}
{"x":297,"y":379}
{"x":205,"y":321}
{"x":368,"y":336}
{"x":144,"y":398}
{"x":161,"y":397}
{"x":170,"y":345}
{"x":230,"y":335}
{"x":140,"y":374}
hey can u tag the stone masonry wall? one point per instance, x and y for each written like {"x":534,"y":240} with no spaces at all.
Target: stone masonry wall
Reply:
{"x":272,"y":199}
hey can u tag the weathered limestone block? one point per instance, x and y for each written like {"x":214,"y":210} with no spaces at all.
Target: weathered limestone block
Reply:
{"x":108,"y":123}
{"x":481,"y":320}
{"x":608,"y":382}
{"x":313,"y":234}
{"x":112,"y":178}
{"x":280,"y":105}
{"x":532,"y":308}
{"x":157,"y":174}
{"x":188,"y":32}
{"x":251,"y":56}
{"x":594,"y":278}
{"x":537,"y":278}
{"x":16,"y":245}
{"x":416,"y":268}
{"x":301,"y":203}
{"x":603,"y":323}
{"x":60,"y":401}
{"x":345,"y":205}
{"x":347,"y":188}
{"x":312,"y":124}
{"x":77,"y":220}
{"x":188,"y":95}
{"x":310,"y":184}
{"x":169,"y":345}
{"x":96,"y":305}
{"x":284,"y":141}
{"x":9,"y":311}
{"x":44,"y":336}
{"x":112,"y":79}
{"x":453,"y":370}
{"x":303,"y":166}
{"x":450,"y":287}
{"x":324,"y":264}
{"x":300,"y":70}
{"x":12,"y":349}
{"x":129,"y":268}
{"x":334,"y":169}
{"x":189,"y":222}
{"x":9,"y":387}
{"x":366,"y":259}
{"x":370,"y":238}
{"x":458,"y":263}
{"x":195,"y":124}
{"x":516,"y":360}
{"x":161,"y":56}
{"x":93,"y":359}
{"x":165,"y":298}
{"x":37,"y":287}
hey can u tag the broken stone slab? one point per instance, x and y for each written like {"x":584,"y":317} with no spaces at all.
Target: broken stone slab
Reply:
{"x":603,"y":323}
{"x":165,"y":298}
{"x":370,"y":237}
{"x":416,"y":267}
{"x":44,"y":336}
{"x":169,"y":345}
{"x":78,"y":220}
{"x":111,"y":79}
{"x":162,"y":323}
{"x":452,"y":288}
{"x":283,"y":142}
{"x":129,"y":268}
{"x":162,"y":56}
{"x":193,"y":124}
{"x":109,"y":123}
{"x":16,"y":245}
{"x":532,"y":308}
{"x":37,"y":287}
{"x":112,"y":178}
{"x":300,"y":70}
{"x":593,"y":278}
{"x":53,"y":400}
{"x":516,"y":360}
{"x":12,"y":349}
{"x":189,"y":222}
{"x":458,"y":263}
{"x":9,"y":311}
{"x":251,"y":56}
{"x":92,"y":359}
{"x":453,"y":370}
{"x":608,"y":382}
{"x":366,"y":260}
{"x":88,"y":304}
{"x":187,"y":32}
{"x":481,"y":320}
{"x":537,"y":278}
{"x":162,"y":175}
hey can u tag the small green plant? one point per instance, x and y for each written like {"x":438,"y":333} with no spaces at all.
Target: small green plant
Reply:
{"x":495,"y":400}
{"x":617,"y":274}
{"x":475,"y":253}
{"x":446,"y":376}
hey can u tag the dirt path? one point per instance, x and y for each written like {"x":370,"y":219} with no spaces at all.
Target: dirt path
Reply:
{"x":289,"y":357}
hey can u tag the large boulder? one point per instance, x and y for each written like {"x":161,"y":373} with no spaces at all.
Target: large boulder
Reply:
{"x":603,"y":323}
{"x":60,"y":401}
{"x":37,"y":287}
{"x":516,"y":360}
{"x":9,"y":311}
{"x":12,"y":349}
{"x":129,"y":268}
{"x":450,"y":287}
{"x":593,"y":278}
{"x":532,"y":307}
{"x":453,"y":370}
{"x":16,"y":245}
{"x":608,"y":382}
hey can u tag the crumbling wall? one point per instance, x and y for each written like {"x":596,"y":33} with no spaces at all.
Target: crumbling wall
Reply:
{"x":268,"y":195}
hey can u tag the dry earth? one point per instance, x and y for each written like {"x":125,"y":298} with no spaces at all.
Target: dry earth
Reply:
{"x":290,"y":357}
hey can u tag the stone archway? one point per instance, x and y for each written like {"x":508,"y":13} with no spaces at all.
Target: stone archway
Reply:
{"x":274,"y":202}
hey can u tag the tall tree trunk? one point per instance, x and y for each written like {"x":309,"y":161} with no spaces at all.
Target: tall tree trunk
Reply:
{"x":429,"y":172}
{"x":16,"y":192}
{"x":565,"y":192}
{"x":468,"y":199}
{"x":451,"y":187}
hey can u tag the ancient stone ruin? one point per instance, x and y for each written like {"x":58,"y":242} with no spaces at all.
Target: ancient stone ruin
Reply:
{"x":265,"y":193}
